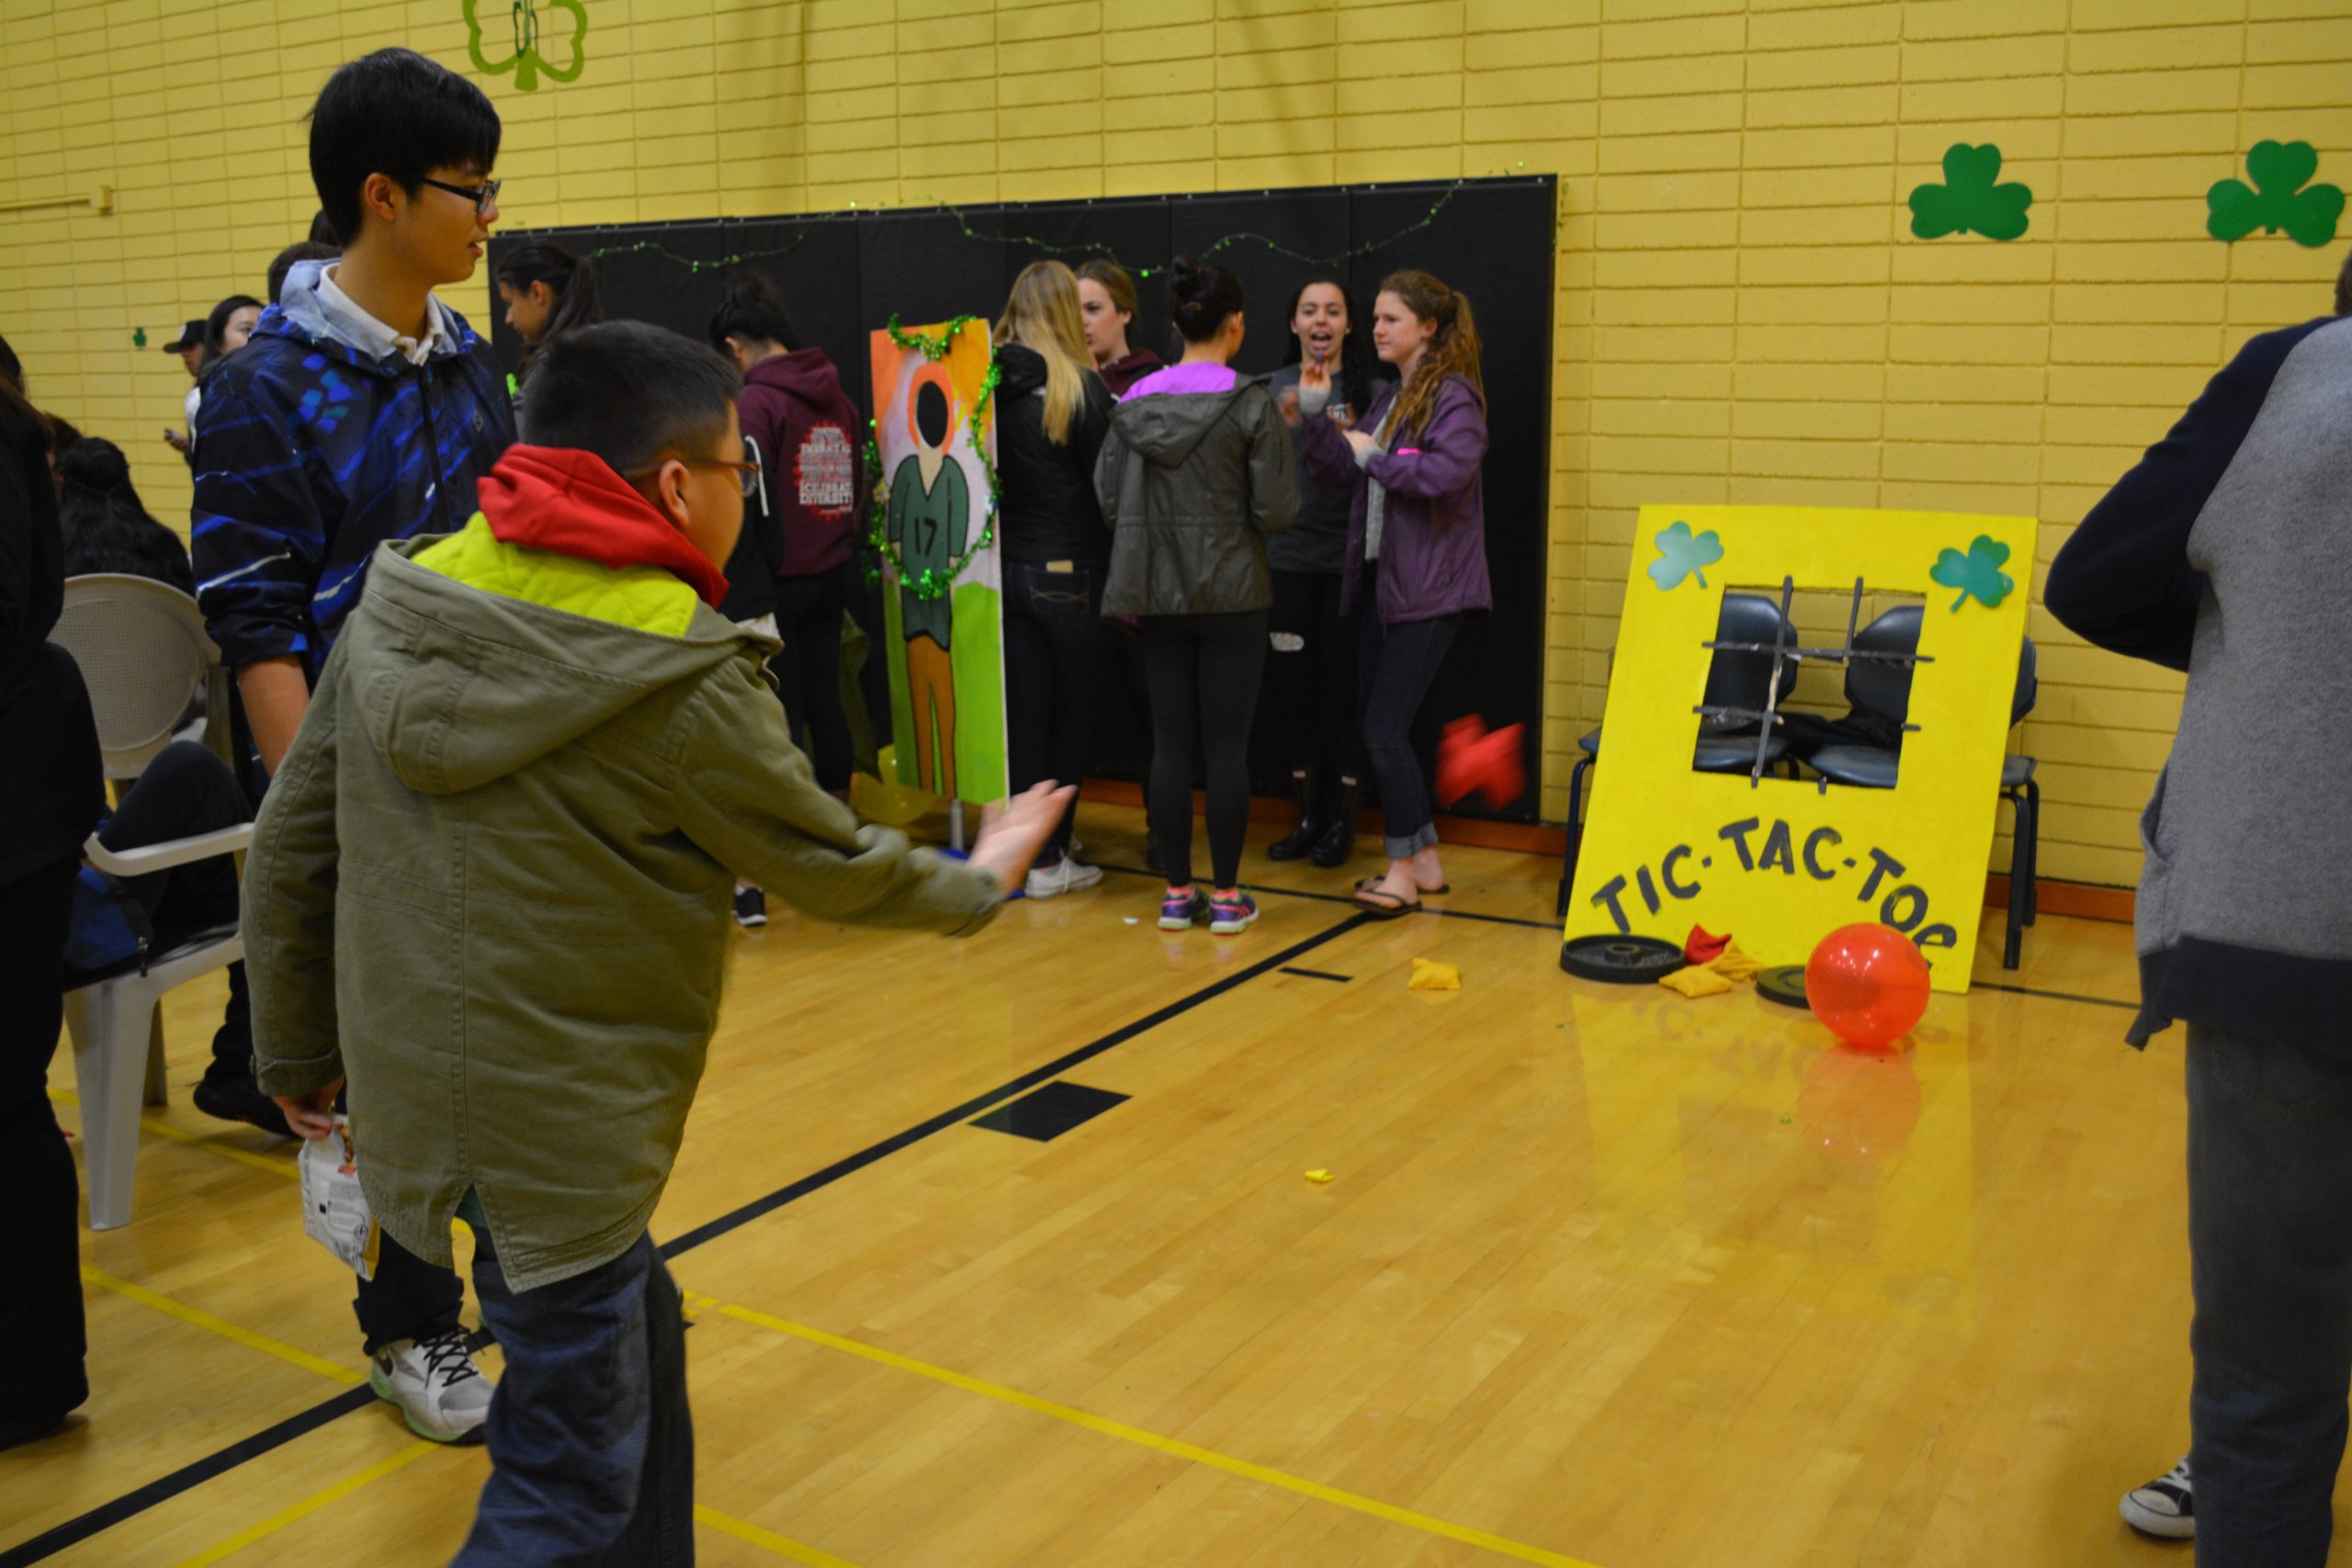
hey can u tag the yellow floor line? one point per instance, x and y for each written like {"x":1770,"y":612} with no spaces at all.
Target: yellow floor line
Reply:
{"x":783,"y":1546}
{"x":195,"y":1140}
{"x":221,"y":1326}
{"x":310,"y":1505}
{"x":1501,"y":1545}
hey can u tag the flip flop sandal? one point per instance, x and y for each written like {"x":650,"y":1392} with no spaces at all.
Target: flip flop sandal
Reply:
{"x":1386,"y":911}
{"x":1369,"y":882}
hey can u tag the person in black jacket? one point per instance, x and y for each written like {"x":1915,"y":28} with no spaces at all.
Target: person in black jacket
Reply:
{"x":1197,"y":471}
{"x":1052,"y":414}
{"x":106,"y":527}
{"x":50,"y":779}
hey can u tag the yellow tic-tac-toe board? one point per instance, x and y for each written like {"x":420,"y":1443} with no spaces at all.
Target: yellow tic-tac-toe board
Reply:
{"x":1780,"y":863}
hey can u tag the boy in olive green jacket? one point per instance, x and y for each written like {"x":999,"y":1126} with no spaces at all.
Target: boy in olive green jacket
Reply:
{"x":490,"y":887}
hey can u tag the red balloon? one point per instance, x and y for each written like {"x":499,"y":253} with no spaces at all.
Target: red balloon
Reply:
{"x":1868,"y":983}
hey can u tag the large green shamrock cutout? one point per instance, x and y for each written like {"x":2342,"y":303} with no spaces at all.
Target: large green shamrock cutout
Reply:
{"x":1977,"y":574}
{"x":1679,"y":556}
{"x":2277,"y":200}
{"x":1967,"y":202}
{"x":526,"y":61}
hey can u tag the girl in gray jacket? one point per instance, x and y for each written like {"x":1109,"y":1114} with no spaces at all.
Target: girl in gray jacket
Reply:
{"x":1197,"y":471}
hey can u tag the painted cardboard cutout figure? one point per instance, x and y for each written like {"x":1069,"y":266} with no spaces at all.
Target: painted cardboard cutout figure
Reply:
{"x":928,"y":514}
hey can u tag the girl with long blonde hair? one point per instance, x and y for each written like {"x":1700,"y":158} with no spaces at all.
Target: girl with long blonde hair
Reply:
{"x":1052,"y":413}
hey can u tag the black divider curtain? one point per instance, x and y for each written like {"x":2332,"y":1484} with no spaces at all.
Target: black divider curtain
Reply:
{"x":843,"y":276}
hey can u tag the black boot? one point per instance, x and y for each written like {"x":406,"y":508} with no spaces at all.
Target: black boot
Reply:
{"x":1302,"y":838}
{"x":1338,"y":844}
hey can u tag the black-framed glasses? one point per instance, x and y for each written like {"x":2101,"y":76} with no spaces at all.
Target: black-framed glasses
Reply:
{"x":481,"y":195}
{"x":746,"y":473}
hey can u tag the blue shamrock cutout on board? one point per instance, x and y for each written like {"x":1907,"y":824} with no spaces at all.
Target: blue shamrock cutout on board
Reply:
{"x":1977,"y":574}
{"x":1681,"y":555}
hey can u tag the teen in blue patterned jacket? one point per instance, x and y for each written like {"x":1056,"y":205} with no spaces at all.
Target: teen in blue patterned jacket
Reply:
{"x":363,"y":409}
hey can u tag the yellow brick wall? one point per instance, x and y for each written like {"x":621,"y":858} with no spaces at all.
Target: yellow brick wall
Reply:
{"x":1742,"y":314}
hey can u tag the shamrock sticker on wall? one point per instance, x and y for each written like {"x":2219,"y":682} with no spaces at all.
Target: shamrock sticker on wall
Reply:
{"x":527,"y":62}
{"x":1681,"y":555}
{"x":1977,"y":574}
{"x":1969,"y":202}
{"x":2278,"y":198}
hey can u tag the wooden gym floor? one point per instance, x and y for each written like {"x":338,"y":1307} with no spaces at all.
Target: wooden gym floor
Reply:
{"x":1603,"y":1276}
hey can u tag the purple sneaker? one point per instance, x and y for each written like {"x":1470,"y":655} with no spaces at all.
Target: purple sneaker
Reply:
{"x":1231,"y":916}
{"x":1179,"y":910}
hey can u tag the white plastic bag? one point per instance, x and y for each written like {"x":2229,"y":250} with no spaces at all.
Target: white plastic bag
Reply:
{"x":335,"y":1210}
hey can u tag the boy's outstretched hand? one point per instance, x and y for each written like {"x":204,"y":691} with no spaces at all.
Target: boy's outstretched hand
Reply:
{"x":1011,"y":834}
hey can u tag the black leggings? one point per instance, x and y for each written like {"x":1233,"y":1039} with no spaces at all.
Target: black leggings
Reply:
{"x":1056,"y":647}
{"x":809,"y":617}
{"x":1204,"y":669}
{"x":1399,"y":662}
{"x":1314,"y":669}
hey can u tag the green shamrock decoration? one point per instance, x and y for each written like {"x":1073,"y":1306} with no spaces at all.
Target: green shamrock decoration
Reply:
{"x":1967,"y":202}
{"x":1977,"y":574}
{"x":139,"y":337}
{"x":2277,"y":198}
{"x":526,"y":61}
{"x":1679,"y":555}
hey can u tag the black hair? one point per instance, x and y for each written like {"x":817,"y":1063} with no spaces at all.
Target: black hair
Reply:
{"x":1352,"y":380}
{"x":931,"y":414}
{"x":61,"y":431}
{"x":631,"y":392}
{"x":2344,"y":288}
{"x":106,"y":526}
{"x":322,"y":231}
{"x":751,"y":311}
{"x":395,"y":113}
{"x":12,"y":370}
{"x":1201,"y":295}
{"x":572,"y":280}
{"x":218,"y":322}
{"x":299,"y":251}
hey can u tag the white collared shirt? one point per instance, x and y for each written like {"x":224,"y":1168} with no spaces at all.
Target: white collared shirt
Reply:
{"x":371,"y":337}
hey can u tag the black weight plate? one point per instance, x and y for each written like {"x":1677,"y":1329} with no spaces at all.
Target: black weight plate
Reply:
{"x":1620,"y":960}
{"x":1784,"y":985}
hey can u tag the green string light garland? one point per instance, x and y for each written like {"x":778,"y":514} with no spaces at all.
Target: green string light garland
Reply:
{"x":926,"y":583}
{"x":1032,"y":242}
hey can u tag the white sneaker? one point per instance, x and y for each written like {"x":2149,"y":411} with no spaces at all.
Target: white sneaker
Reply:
{"x":2163,"y":1506}
{"x":1066,"y":875}
{"x":440,"y":1391}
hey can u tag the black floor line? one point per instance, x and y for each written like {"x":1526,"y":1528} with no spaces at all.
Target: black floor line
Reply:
{"x":2051,"y":996}
{"x":1344,"y":899}
{"x":164,"y":1489}
{"x":1316,"y":973}
{"x":713,"y":1229}
{"x":74,"y":1531}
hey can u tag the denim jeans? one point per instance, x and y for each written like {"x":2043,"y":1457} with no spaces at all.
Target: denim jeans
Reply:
{"x":1398,"y":663}
{"x":592,"y":1450}
{"x":2270,"y":1245}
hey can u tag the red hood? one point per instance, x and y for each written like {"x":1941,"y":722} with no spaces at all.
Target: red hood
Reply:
{"x":805,"y":373}
{"x":570,"y":501}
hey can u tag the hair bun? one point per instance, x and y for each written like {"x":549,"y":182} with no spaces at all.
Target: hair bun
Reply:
{"x":1187,"y":279}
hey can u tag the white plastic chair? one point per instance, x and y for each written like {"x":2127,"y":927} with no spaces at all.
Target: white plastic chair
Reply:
{"x":144,"y":655}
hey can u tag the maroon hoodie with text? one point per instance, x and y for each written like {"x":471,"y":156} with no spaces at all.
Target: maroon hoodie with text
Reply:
{"x":812,"y":442}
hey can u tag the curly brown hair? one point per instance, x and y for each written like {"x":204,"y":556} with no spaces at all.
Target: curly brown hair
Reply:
{"x":1452,"y":351}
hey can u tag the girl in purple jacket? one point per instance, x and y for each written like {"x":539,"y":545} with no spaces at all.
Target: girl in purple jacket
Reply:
{"x":1416,"y":544}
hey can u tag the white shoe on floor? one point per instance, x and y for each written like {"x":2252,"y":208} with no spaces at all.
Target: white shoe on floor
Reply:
{"x":440,"y":1391}
{"x":2163,"y":1506}
{"x":1066,"y":875}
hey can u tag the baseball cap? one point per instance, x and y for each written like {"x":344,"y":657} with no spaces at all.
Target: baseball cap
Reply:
{"x":191,"y":337}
